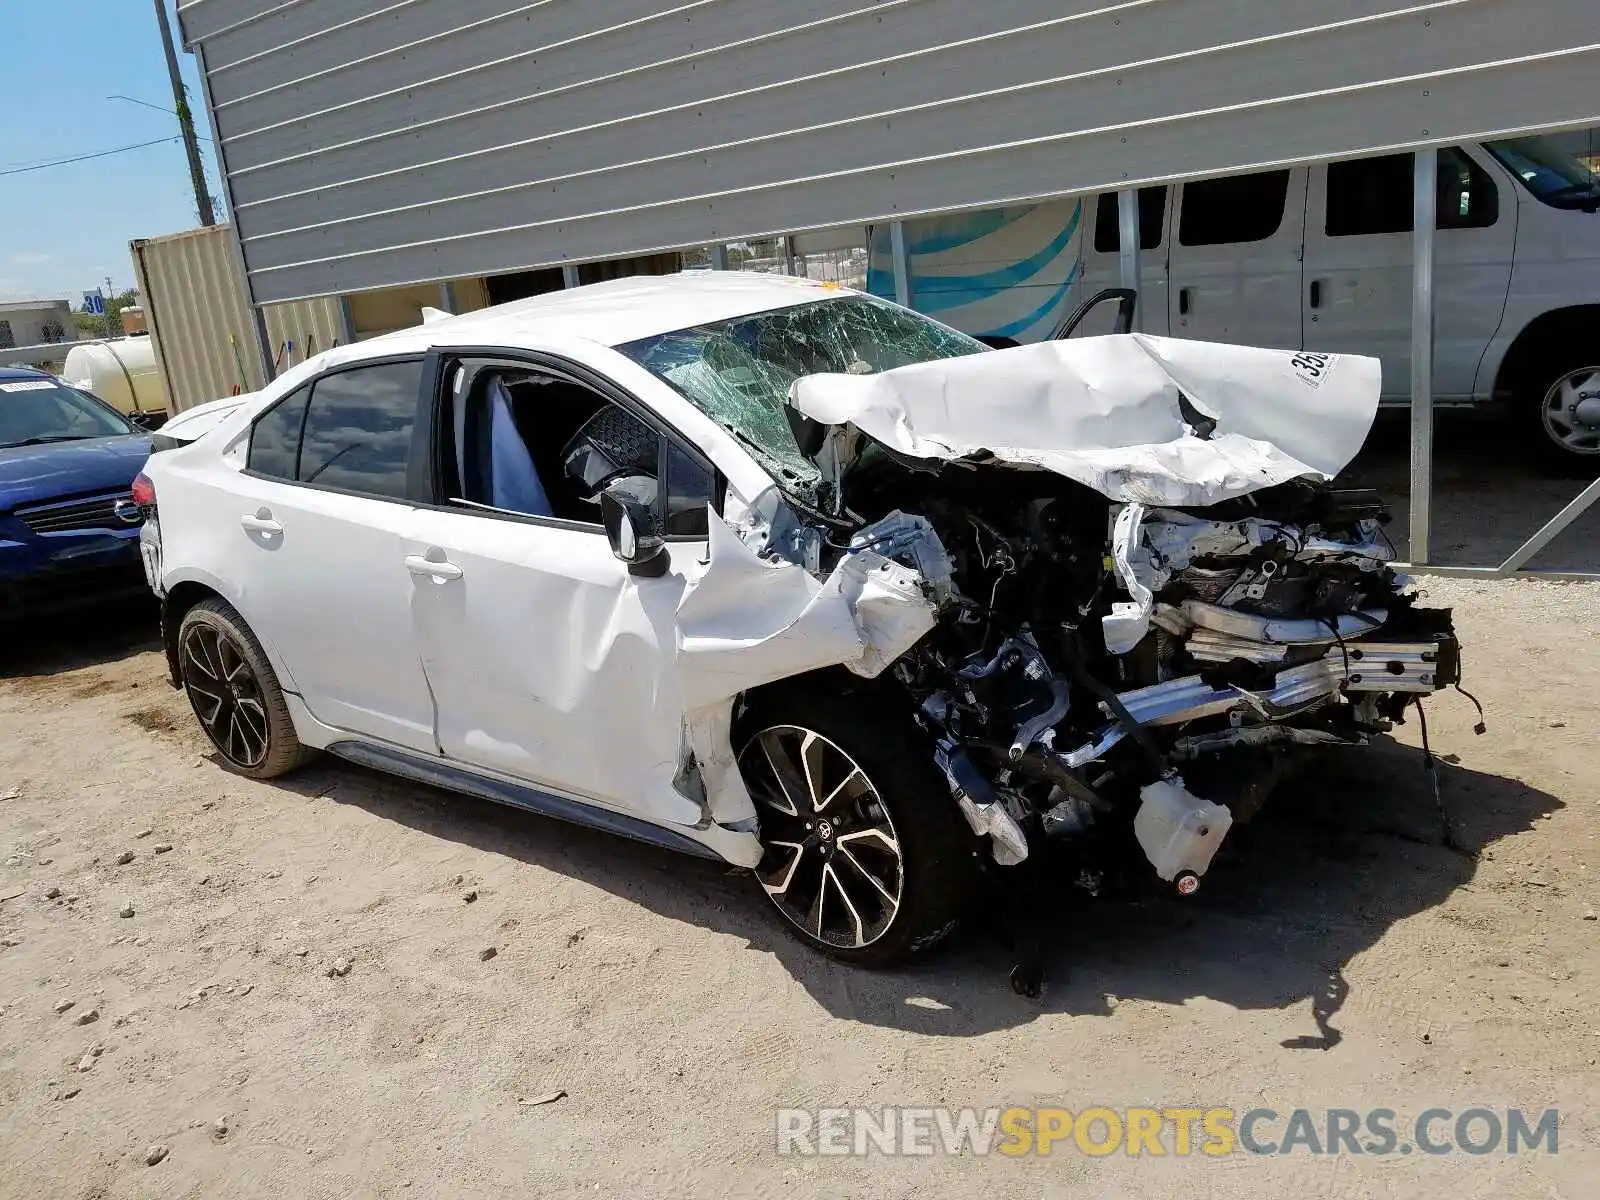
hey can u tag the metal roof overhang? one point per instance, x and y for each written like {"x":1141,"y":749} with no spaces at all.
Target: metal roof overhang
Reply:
{"x":370,"y":143}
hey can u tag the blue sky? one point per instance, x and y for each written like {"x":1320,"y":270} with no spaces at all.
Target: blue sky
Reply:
{"x":64,"y":229}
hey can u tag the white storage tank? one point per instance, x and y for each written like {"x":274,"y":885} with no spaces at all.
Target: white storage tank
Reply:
{"x":121,"y":371}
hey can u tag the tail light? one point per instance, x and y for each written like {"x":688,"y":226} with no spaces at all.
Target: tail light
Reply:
{"x":144,"y":492}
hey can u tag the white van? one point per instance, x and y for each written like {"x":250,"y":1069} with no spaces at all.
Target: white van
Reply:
{"x":1320,"y":257}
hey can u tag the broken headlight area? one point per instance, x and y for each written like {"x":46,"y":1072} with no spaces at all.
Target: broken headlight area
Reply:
{"x":1103,"y":676}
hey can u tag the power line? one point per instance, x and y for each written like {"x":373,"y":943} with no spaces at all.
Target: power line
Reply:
{"x":62,"y":162}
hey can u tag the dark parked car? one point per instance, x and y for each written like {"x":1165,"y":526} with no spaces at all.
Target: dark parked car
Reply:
{"x":69,"y":521}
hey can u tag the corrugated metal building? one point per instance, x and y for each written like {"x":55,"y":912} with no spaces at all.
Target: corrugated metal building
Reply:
{"x":373,"y":143}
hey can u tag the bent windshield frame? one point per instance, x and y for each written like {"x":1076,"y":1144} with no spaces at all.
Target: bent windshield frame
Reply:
{"x":739,"y":371}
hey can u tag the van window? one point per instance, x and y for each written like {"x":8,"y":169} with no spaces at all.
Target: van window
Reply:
{"x":1152,"y":216}
{"x":1241,"y":208}
{"x":1374,"y":195}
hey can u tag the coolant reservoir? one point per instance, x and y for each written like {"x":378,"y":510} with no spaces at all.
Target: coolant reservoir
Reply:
{"x":1178,"y":831}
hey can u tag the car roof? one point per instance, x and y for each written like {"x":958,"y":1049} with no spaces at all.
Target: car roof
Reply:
{"x":606,"y":314}
{"x":23,"y":373}
{"x":624,"y":310}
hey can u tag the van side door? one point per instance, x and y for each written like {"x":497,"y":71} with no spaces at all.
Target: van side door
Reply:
{"x":1236,"y":259}
{"x":1358,"y":266}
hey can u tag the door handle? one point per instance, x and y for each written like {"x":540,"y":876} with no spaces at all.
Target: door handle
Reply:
{"x":260,"y":524}
{"x":433,"y":568}
{"x":1183,"y":302}
{"x":1316,"y":293}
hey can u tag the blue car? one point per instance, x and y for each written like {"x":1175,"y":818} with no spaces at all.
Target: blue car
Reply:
{"x":69,"y":522}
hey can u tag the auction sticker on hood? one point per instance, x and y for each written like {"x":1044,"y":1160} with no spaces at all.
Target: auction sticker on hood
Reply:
{"x":29,"y":385}
{"x":1312,"y":368}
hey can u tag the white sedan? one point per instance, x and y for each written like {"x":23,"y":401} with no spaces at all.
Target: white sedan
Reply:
{"x":788,"y":576}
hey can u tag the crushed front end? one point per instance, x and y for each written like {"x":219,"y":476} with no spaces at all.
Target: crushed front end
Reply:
{"x":1150,"y":597}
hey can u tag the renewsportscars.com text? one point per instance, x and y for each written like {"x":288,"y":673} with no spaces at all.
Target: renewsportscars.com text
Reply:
{"x":1180,"y":1132}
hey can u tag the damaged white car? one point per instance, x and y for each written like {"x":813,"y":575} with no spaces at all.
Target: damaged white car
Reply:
{"x":788,"y":576}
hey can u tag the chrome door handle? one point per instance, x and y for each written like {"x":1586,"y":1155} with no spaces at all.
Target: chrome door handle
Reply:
{"x":433,"y":568}
{"x":260,"y":525}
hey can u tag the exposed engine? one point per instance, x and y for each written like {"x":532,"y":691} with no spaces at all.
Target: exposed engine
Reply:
{"x":1092,"y":656}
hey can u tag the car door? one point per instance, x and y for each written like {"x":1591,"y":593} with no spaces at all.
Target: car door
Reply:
{"x":1235,"y":261}
{"x":319,"y":510}
{"x":1358,"y":265}
{"x":1102,"y":262}
{"x":548,"y":661}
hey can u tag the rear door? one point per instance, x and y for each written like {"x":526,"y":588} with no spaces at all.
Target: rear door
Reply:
{"x":1235,"y":262}
{"x":316,"y":517}
{"x":1102,"y":261}
{"x":1358,"y":265}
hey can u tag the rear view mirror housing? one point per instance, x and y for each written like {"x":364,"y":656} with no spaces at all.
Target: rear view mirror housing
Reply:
{"x":629,"y":512}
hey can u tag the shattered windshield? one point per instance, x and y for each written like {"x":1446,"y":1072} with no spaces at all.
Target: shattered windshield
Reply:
{"x":738,"y":371}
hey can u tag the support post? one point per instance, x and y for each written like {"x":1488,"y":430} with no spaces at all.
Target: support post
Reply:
{"x":719,"y":257}
{"x":347,"y":322}
{"x":900,"y":251}
{"x":1424,"y":206}
{"x":788,"y":256}
{"x":447,"y":297}
{"x":1128,"y":235}
{"x":570,"y":277}
{"x":269,"y":358}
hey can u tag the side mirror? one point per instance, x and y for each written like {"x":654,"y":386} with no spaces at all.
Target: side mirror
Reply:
{"x":628,"y":509}
{"x":146,"y":421}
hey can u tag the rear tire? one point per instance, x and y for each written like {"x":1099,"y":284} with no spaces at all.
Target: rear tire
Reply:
{"x":235,"y":694}
{"x":1563,"y":413}
{"x":891,"y":874}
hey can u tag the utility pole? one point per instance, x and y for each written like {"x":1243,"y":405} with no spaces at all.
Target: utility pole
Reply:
{"x":180,"y":97}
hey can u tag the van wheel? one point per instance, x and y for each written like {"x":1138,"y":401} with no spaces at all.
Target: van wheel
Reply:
{"x":867,"y":857}
{"x":235,"y":694}
{"x":1568,"y":418}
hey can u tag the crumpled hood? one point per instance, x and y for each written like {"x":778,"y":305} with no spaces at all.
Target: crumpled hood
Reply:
{"x":1106,"y":412}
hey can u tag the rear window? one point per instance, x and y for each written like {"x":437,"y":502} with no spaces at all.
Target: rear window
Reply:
{"x":350,"y":430}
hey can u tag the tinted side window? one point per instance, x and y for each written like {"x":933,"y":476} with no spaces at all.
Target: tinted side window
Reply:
{"x":1374,"y":195}
{"x":1152,"y":214}
{"x":275,"y":440}
{"x":1241,"y":208}
{"x":358,"y":429}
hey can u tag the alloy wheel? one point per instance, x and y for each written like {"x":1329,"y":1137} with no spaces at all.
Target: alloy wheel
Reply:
{"x":226,"y":695}
{"x":832,"y":861}
{"x":1572,"y":411}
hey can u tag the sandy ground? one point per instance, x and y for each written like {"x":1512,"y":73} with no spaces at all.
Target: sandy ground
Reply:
{"x":1337,"y":957}
{"x":1488,"y":496}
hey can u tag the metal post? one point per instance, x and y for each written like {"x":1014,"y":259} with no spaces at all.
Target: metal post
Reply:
{"x":570,"y":277}
{"x":1129,"y":234}
{"x":719,"y":257}
{"x":191,"y":145}
{"x":347,"y":322}
{"x":447,"y":297}
{"x":900,"y":251}
{"x":1425,"y":202}
{"x":788,"y":256}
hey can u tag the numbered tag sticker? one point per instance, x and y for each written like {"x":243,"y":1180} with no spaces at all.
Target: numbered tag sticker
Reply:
{"x":29,"y":385}
{"x":1312,"y":368}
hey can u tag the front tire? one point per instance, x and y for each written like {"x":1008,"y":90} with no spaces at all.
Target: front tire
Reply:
{"x":867,"y":857}
{"x":235,"y":694}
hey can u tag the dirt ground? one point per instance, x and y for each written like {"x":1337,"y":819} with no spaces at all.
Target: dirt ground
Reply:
{"x":1488,"y":495}
{"x":1337,"y":957}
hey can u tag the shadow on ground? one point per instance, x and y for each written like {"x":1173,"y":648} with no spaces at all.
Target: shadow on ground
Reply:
{"x":41,"y":647}
{"x":1332,"y":864}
